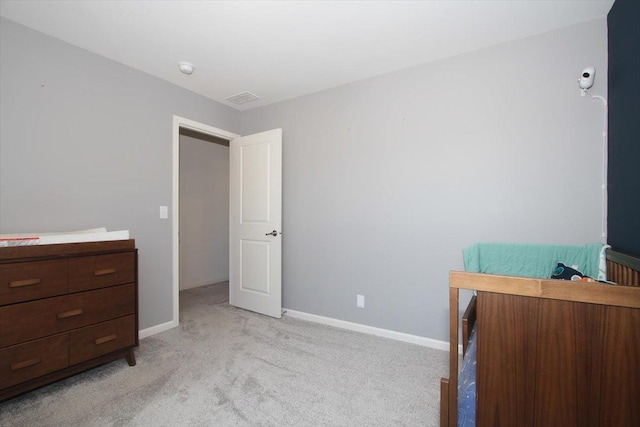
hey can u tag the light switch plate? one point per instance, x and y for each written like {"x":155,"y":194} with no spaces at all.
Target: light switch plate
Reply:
{"x":164,"y":212}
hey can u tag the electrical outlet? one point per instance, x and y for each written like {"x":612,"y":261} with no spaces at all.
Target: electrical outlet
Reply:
{"x":360,"y":301}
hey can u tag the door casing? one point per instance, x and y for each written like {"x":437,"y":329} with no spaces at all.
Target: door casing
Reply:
{"x":181,"y":122}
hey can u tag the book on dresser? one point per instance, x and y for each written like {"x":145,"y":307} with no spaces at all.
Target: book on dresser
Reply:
{"x":65,"y":308}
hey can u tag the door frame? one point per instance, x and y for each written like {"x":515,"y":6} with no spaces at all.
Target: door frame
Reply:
{"x":181,"y":122}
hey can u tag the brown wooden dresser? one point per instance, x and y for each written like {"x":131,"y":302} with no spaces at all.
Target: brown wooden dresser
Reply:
{"x":65,"y":308}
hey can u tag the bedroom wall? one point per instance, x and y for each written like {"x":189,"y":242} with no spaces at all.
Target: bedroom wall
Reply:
{"x":386,"y":180}
{"x":204,"y":212}
{"x":87,"y":142}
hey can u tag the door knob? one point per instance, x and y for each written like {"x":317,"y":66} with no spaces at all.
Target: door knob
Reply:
{"x":274,"y":233}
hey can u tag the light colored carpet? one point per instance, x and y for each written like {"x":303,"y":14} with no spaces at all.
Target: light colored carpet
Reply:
{"x":228,"y":367}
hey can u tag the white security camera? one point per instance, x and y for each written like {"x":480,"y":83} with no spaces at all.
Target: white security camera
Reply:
{"x":586,"y":79}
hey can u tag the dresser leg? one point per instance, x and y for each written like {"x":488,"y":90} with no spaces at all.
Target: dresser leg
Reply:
{"x":130,"y":358}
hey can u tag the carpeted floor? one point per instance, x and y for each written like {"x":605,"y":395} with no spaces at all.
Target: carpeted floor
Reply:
{"x":228,"y":367}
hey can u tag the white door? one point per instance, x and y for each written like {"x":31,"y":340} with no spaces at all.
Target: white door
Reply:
{"x":255,"y":215}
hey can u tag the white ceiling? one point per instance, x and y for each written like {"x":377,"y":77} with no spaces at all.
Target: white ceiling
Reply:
{"x":281,"y":50}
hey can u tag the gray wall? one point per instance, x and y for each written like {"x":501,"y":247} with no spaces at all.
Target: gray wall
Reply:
{"x":204,"y":212}
{"x":87,"y":142}
{"x":386,"y":180}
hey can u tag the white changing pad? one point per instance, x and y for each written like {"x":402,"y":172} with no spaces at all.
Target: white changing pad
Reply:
{"x":90,"y":235}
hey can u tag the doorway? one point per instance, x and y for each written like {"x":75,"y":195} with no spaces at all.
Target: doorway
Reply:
{"x":204,"y":209}
{"x":188,"y":131}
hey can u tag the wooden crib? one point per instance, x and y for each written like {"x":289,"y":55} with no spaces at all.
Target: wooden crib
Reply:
{"x":550,"y":352}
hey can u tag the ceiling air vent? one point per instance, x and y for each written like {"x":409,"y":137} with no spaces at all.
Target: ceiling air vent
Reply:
{"x":242,"y":98}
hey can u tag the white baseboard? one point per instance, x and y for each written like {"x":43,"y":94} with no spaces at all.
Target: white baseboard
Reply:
{"x":144,"y":333}
{"x":386,"y":333}
{"x":342,"y":324}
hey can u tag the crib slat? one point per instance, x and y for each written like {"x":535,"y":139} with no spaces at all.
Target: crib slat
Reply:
{"x":625,"y":269}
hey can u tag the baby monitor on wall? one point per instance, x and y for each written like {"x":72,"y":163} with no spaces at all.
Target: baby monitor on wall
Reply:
{"x":587,"y":77}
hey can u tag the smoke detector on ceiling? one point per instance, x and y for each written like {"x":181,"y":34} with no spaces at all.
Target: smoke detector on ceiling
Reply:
{"x":186,"y":68}
{"x":243,"y":98}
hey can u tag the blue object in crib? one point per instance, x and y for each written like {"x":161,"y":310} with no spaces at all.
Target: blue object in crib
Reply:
{"x":467,"y":385}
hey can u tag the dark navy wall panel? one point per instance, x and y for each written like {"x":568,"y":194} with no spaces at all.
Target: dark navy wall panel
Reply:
{"x":624,"y":126}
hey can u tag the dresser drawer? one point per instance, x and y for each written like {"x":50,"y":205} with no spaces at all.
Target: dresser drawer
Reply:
{"x":26,"y":361}
{"x":24,"y":281}
{"x":96,"y":340}
{"x":100,"y":271}
{"x":36,"y":319}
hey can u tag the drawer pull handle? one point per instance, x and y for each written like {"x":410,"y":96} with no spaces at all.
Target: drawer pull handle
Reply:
{"x":25,"y":364}
{"x":104,"y":272}
{"x":103,"y":340}
{"x":21,"y":283}
{"x":69,"y":313}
